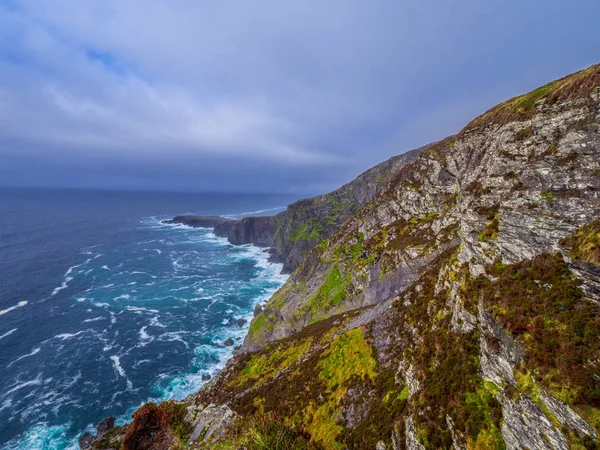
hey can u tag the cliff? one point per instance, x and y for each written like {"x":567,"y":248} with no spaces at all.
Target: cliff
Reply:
{"x":293,"y":232}
{"x":458,"y":308}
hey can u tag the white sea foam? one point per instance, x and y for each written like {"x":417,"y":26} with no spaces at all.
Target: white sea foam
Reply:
{"x":18,"y":305}
{"x":117,"y":363}
{"x":143,"y":334}
{"x":174,"y":336}
{"x":105,"y":267}
{"x":137,"y":272}
{"x":67,"y":276}
{"x":122,"y":297}
{"x":33,"y":352}
{"x":43,"y":436}
{"x":94,"y":319}
{"x":64,"y":336}
{"x":154,"y":322}
{"x":8,"y":333}
{"x":20,"y":385}
{"x":140,"y":309}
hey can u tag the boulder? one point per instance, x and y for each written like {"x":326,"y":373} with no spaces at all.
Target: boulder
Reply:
{"x":228,"y":342}
{"x":104,"y":425}
{"x":86,"y":440}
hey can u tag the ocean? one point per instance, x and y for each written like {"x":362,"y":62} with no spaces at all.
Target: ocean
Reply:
{"x":103,"y":307}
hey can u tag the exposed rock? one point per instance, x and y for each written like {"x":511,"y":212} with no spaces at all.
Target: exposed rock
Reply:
{"x":86,"y":440}
{"x":205,"y":377}
{"x":104,"y":425}
{"x":499,"y":352}
{"x":228,"y":342}
{"x":565,"y":415}
{"x":241,"y":322}
{"x":211,"y":423}
{"x":249,"y":230}
{"x":526,"y":426}
{"x":412,"y":443}
{"x":199,"y":221}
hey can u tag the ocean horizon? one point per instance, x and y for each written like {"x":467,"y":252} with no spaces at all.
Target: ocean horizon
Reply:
{"x":103,"y":307}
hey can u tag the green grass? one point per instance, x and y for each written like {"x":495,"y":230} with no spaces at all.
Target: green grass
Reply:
{"x":584,"y":244}
{"x":261,"y":367}
{"x":491,"y":229}
{"x":257,"y":324}
{"x":348,"y":357}
{"x":331,"y":293}
{"x":306,"y":231}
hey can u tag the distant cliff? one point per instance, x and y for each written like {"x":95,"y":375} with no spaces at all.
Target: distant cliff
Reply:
{"x":305,"y":223}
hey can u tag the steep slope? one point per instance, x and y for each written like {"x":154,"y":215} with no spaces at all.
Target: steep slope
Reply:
{"x":459,"y":308}
{"x":293,"y":232}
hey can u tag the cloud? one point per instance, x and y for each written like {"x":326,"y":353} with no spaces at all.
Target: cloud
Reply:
{"x":280,"y":95}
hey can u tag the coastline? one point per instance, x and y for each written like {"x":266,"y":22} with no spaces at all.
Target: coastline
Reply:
{"x":263,"y":260}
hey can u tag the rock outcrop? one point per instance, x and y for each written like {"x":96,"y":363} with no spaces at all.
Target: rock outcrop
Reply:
{"x":458,"y":308}
{"x":198,"y":221}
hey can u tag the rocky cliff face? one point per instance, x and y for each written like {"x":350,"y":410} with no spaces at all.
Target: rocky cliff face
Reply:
{"x":459,"y":308}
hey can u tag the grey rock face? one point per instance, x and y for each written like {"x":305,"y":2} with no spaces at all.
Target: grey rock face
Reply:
{"x":210,"y":423}
{"x":249,"y":230}
{"x":104,"y":425}
{"x":86,"y":440}
{"x":499,"y":352}
{"x":566,"y":415}
{"x":526,"y":426}
{"x":412,"y":443}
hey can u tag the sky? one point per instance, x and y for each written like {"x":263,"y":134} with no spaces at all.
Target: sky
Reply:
{"x":292,"y":96}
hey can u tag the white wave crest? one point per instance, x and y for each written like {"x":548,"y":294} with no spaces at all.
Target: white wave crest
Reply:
{"x":94,"y":319}
{"x":18,"y":305}
{"x":67,"y":276}
{"x":8,"y":333}
{"x":117,"y":363}
{"x":140,"y":309}
{"x":33,"y":352}
{"x":64,"y":336}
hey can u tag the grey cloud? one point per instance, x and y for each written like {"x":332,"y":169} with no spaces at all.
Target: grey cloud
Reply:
{"x":265,"y":94}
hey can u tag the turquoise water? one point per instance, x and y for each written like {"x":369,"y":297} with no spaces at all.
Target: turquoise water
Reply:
{"x":103,"y":307}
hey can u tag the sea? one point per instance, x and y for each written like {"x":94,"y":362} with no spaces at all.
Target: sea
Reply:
{"x":103,"y":307}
